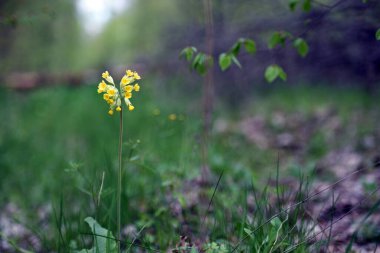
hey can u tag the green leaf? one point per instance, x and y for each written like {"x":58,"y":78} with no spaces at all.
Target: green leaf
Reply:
{"x":276,"y":222}
{"x":236,"y":61}
{"x":224,"y":61}
{"x":104,"y":242}
{"x":274,"y":71}
{"x":301,"y":46}
{"x":188,"y":52}
{"x":202,"y":62}
{"x":236,"y":47}
{"x":378,"y":34}
{"x":283,"y":76}
{"x":306,"y":5}
{"x":278,"y":38}
{"x":293,"y":4}
{"x":250,"y":46}
{"x":248,"y":232}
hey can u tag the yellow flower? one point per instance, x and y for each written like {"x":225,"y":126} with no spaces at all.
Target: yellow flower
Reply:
{"x":136,"y":76}
{"x":129,"y":73}
{"x":102,"y":86}
{"x":108,"y":77}
{"x":172,"y":116}
{"x":105,"y":74}
{"x":128,"y":88}
{"x":128,"y":94}
{"x":125,"y":80}
{"x":113,"y":94}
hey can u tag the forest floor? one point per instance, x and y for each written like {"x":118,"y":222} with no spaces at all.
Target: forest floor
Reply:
{"x":328,"y":148}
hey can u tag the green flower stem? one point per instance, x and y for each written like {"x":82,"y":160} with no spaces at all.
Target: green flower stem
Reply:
{"x":119,"y":175}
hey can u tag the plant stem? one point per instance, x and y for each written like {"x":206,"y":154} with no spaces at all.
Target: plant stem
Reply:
{"x":119,"y":175}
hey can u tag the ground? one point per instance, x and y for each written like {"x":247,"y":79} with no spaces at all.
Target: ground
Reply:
{"x":57,"y":142}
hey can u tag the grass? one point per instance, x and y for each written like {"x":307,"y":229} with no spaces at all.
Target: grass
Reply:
{"x":56,"y":143}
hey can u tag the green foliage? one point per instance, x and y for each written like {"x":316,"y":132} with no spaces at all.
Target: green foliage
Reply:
{"x":271,"y":240}
{"x":188,"y":53}
{"x":301,"y":46}
{"x":225,"y":59}
{"x":200,"y":63}
{"x":278,"y":38}
{"x":214,"y":247}
{"x":378,"y":34}
{"x":273,"y":72}
{"x":103,"y":240}
{"x":306,"y":5}
{"x":39,"y":35}
{"x":250,"y":46}
{"x":154,"y":168}
{"x":293,"y":4}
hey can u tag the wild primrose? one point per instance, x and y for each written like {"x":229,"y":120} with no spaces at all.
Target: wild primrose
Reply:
{"x":114,"y":96}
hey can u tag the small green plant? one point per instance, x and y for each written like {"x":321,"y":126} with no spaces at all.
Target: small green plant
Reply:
{"x":214,"y":247}
{"x":104,"y":241}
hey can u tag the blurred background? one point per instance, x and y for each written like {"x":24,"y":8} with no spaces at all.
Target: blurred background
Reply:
{"x":71,"y":37}
{"x":56,"y":139}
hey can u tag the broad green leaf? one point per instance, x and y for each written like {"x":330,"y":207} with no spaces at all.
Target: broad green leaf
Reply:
{"x":250,"y":46}
{"x":274,"y":71}
{"x":188,"y":52}
{"x":301,"y":46}
{"x":378,"y":34}
{"x":104,"y":242}
{"x":224,"y":61}
{"x":293,"y":4}
{"x":306,"y":5}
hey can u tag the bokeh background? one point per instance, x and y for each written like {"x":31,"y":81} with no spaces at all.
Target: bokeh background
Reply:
{"x":57,"y":141}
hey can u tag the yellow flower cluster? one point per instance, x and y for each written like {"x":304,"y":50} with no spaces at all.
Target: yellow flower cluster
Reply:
{"x":113,"y":96}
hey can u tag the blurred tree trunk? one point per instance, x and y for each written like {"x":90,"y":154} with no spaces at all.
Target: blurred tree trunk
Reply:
{"x":208,"y":93}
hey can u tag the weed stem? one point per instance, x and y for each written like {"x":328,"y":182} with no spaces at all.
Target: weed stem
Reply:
{"x":119,"y":175}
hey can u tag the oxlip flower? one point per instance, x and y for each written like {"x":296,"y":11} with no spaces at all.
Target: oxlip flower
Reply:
{"x":113,"y":95}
